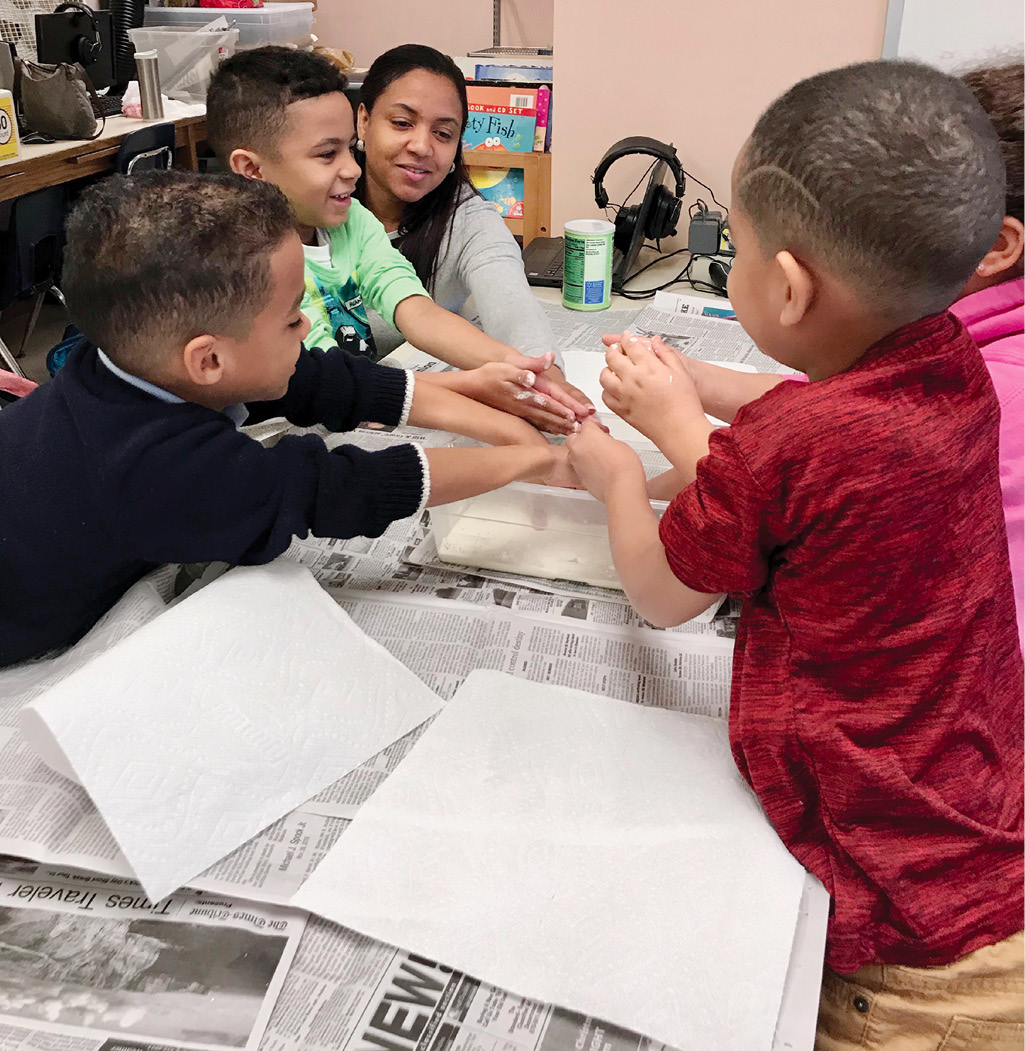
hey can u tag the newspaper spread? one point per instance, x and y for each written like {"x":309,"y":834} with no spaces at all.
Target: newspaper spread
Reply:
{"x":350,"y":993}
{"x":88,"y":962}
{"x":682,"y":321}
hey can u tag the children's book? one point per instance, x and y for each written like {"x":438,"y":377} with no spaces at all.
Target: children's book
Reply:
{"x":543,"y":127}
{"x":502,"y":119}
{"x":520,"y":74}
{"x":503,"y":187}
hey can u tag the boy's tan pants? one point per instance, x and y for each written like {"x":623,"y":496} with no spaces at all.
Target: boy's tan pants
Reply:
{"x":975,"y":1004}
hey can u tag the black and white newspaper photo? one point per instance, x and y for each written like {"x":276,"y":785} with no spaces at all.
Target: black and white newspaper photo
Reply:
{"x":93,"y":963}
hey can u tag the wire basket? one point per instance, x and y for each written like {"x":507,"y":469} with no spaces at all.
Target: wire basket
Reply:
{"x":18,"y":23}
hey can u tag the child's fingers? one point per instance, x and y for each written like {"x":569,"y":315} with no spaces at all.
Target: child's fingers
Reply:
{"x":637,"y":349}
{"x":610,"y":382}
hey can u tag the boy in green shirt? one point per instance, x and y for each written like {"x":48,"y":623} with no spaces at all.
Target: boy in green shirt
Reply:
{"x":281,"y":115}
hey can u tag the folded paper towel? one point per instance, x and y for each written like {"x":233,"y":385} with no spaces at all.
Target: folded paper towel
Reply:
{"x":574,"y":849}
{"x":221,"y":715}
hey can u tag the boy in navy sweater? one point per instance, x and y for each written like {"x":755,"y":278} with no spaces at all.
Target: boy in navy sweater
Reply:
{"x":187,"y":288}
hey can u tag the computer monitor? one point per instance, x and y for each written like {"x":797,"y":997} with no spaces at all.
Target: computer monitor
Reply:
{"x":631,"y":223}
{"x":82,"y":36}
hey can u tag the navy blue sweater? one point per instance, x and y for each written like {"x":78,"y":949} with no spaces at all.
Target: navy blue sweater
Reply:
{"x":100,"y":482}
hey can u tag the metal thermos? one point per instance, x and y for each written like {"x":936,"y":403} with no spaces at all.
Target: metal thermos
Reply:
{"x":149,"y":85}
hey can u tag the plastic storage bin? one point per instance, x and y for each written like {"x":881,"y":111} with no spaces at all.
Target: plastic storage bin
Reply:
{"x":186,"y":59}
{"x":536,"y":530}
{"x":270,"y":24}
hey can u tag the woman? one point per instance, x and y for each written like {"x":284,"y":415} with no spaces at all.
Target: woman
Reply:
{"x":410,"y":124}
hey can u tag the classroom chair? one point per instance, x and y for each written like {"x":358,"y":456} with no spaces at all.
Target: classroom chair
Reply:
{"x":31,"y":248}
{"x":148,"y":149}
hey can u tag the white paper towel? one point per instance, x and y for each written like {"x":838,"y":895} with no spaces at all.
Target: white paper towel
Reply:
{"x":222,"y":714}
{"x":600,"y":855}
{"x":584,"y":367}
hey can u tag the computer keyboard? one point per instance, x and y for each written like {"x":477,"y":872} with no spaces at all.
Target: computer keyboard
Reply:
{"x":107,"y":105}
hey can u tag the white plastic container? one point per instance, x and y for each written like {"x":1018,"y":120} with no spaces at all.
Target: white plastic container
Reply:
{"x":536,"y":530}
{"x":257,"y":26}
{"x":186,"y":60}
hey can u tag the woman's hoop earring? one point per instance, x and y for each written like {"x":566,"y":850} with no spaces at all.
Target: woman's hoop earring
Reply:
{"x":453,"y":168}
{"x":361,"y":146}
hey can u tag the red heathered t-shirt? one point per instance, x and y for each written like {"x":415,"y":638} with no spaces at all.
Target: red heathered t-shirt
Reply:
{"x":876,"y":706}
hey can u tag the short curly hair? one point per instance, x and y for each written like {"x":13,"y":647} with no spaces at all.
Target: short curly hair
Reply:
{"x":1000,"y":92}
{"x":156,"y":259}
{"x":889,"y":173}
{"x":247,"y":103}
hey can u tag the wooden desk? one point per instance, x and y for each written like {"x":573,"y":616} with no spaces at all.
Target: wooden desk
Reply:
{"x":65,"y":161}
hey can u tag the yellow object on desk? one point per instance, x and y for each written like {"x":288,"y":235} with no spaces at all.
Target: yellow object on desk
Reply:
{"x":9,"y":143}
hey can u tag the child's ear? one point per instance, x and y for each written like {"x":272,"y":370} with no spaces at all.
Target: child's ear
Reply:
{"x":203,"y":360}
{"x":799,"y":289}
{"x":247,"y":163}
{"x":1006,"y":250}
{"x":362,"y":119}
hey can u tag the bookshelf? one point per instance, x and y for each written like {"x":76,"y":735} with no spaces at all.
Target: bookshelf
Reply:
{"x":537,"y":188}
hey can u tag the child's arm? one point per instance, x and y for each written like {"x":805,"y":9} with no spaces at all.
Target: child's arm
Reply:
{"x":458,"y":473}
{"x":453,"y":339}
{"x":612,"y":472}
{"x":434,"y":405}
{"x":723,"y":392}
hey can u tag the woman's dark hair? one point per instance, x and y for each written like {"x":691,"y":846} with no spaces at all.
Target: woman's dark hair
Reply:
{"x":426,"y":222}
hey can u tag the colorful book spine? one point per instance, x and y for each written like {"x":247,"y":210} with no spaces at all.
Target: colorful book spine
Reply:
{"x":544,"y":99}
{"x":501,"y":118}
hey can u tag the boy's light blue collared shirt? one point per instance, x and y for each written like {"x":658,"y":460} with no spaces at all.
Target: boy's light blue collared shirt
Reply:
{"x":236,"y":413}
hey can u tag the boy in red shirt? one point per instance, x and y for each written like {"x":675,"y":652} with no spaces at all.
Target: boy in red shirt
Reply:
{"x":876,"y":707}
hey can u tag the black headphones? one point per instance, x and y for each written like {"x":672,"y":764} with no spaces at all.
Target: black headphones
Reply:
{"x":663,"y":210}
{"x":86,"y":50}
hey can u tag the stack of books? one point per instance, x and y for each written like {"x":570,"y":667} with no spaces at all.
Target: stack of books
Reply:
{"x":510,"y":112}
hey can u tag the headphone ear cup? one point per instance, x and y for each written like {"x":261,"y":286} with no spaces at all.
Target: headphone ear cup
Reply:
{"x":626,"y":220}
{"x":88,"y":51}
{"x":664,"y":215}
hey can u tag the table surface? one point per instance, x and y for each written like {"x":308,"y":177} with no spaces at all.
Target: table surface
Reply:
{"x":116,"y":129}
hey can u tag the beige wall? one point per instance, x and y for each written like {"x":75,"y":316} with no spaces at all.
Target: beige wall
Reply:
{"x":367,"y":29}
{"x":452,"y":26}
{"x":696,"y":74}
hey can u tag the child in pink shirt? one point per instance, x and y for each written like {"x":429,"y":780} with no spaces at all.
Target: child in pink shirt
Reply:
{"x":991,"y":308}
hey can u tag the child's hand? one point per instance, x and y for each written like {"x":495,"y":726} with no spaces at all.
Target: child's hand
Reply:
{"x":649,"y":385}
{"x":599,"y":460}
{"x":557,"y":471}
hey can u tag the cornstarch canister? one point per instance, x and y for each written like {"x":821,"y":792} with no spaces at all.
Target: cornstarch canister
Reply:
{"x":587,"y":264}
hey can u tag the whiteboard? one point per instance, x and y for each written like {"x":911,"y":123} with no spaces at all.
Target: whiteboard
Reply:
{"x":955,"y":35}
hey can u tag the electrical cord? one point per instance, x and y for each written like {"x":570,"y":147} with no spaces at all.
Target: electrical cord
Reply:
{"x":684,"y":276}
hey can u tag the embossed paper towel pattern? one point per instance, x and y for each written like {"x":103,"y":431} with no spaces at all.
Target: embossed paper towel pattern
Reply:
{"x":221,"y":715}
{"x":579,"y":850}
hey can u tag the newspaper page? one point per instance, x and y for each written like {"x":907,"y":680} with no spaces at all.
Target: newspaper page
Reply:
{"x":88,"y":962}
{"x":583,"y":330}
{"x":702,"y":335}
{"x":350,"y":993}
{"x":443,"y":641}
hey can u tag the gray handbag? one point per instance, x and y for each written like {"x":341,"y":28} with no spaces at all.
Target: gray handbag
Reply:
{"x":55,"y":100}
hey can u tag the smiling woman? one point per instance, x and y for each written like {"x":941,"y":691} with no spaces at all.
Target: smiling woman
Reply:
{"x":410,"y":124}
